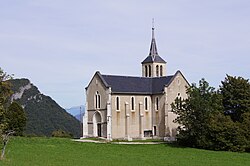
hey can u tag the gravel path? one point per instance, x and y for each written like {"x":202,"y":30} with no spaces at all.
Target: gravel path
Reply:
{"x":125,"y":143}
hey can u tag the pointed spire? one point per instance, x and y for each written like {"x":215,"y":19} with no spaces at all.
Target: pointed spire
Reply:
{"x":153,"y":54}
{"x":153,"y":49}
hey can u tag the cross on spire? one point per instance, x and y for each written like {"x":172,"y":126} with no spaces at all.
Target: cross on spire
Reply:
{"x":153,"y":28}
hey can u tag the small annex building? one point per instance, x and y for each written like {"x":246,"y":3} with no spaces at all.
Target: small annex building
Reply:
{"x":126,"y":107}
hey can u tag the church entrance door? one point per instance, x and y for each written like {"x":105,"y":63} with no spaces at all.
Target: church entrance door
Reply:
{"x":97,"y":125}
{"x":154,"y":130}
{"x":99,"y":130}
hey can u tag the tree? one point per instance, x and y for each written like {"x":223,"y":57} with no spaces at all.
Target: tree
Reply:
{"x":236,"y":97}
{"x":5,"y":140}
{"x":16,"y":118}
{"x":5,"y":93}
{"x":246,"y":129}
{"x":236,"y":102}
{"x":193,"y":114}
{"x":225,"y":134}
{"x":217,"y":120}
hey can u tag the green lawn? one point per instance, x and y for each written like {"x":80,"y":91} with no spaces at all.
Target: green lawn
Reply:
{"x":54,"y":151}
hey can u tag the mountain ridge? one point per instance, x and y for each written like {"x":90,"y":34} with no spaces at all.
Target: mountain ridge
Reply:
{"x":44,"y":115}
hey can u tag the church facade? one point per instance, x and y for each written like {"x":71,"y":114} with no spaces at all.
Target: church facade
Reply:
{"x":125,"y":107}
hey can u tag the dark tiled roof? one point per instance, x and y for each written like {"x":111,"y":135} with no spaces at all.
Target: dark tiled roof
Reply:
{"x":156,"y":59}
{"x":136,"y":85}
{"x":159,"y":83}
{"x":149,"y":59}
{"x":159,"y":59}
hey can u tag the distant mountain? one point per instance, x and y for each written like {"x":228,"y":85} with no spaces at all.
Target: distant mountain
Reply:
{"x":78,"y":117}
{"x":44,"y":115}
{"x":76,"y":110}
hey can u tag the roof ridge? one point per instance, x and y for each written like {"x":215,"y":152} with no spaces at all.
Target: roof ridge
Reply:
{"x":109,"y":75}
{"x":123,"y":76}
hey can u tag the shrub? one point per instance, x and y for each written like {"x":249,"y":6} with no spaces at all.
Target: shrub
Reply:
{"x":61,"y":133}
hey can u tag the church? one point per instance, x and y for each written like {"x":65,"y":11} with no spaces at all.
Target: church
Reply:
{"x":126,"y":107}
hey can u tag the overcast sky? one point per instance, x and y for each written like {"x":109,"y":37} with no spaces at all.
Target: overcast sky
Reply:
{"x":60,"y":44}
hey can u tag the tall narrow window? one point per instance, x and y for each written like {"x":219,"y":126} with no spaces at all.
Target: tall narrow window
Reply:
{"x":132,"y":103}
{"x":161,"y":71}
{"x":157,"y":71}
{"x":157,"y":103}
{"x":149,"y":71}
{"x":146,"y":103}
{"x":146,"y":71}
{"x":178,"y":101}
{"x":97,"y":100}
{"x":117,"y":103}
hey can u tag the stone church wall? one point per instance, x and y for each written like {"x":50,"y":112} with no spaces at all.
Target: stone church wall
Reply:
{"x":97,"y":86}
{"x":127,"y":122}
{"x":177,"y":88}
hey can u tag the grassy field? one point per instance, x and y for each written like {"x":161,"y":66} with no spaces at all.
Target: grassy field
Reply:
{"x":54,"y":151}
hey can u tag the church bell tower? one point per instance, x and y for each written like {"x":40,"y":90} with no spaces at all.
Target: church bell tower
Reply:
{"x":153,"y":65}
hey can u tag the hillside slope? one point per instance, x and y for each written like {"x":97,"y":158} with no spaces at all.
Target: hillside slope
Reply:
{"x":44,"y":115}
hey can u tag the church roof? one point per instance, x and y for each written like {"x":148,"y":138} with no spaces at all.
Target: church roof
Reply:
{"x":156,"y":59}
{"x":136,"y":85}
{"x":153,"y":53}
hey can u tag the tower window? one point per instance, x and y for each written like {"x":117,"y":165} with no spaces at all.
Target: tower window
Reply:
{"x":149,"y":71}
{"x":132,"y":103}
{"x":146,"y":71}
{"x":97,"y":100}
{"x":157,"y":71}
{"x":161,"y":72}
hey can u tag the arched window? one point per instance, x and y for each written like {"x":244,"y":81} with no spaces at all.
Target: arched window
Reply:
{"x":97,"y":100}
{"x":179,"y":101}
{"x":149,"y":71}
{"x":132,"y":103}
{"x":157,"y":103}
{"x":157,"y":71}
{"x":161,"y":71}
{"x":117,"y":103}
{"x":146,"y":71}
{"x":146,"y":103}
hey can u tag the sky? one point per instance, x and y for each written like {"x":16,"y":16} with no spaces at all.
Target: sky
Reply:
{"x":60,"y":44}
